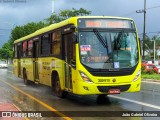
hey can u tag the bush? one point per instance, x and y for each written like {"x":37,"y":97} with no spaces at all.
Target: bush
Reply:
{"x":150,"y":71}
{"x":143,"y":69}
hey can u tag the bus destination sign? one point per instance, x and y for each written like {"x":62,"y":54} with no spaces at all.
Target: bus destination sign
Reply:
{"x":105,"y":23}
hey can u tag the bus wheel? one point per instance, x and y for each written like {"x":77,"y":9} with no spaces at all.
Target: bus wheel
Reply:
{"x":59,"y":93}
{"x":102,"y":99}
{"x":102,"y":96}
{"x":25,"y":77}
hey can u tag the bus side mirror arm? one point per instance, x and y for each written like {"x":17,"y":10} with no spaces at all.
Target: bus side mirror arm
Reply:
{"x":139,"y":40}
{"x":75,"y":38}
{"x":73,"y":64}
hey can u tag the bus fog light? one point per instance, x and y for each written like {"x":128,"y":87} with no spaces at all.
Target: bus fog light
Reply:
{"x":86,"y":88}
{"x":85,"y":77}
{"x":137,"y":76}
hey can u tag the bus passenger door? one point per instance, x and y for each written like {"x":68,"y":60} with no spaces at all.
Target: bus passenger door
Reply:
{"x":19,"y":50}
{"x":35,"y":60}
{"x":68,"y":57}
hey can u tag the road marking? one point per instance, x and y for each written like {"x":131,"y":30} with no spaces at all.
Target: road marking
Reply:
{"x":67,"y":118}
{"x":151,"y":82}
{"x":137,"y":102}
{"x":40,"y":102}
{"x":20,"y":111}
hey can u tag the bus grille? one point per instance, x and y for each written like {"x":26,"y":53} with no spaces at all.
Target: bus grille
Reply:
{"x":107,"y":88}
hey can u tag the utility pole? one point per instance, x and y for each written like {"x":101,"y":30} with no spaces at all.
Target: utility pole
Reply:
{"x":144,"y":27}
{"x":144,"y":30}
{"x":154,"y":50}
{"x":52,"y":6}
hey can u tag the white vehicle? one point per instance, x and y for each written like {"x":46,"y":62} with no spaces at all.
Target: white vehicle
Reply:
{"x":3,"y":64}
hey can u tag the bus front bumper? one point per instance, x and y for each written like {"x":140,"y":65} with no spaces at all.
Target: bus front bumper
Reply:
{"x":84,"y":88}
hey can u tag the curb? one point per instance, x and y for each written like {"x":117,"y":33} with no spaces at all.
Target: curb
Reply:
{"x":151,"y":80}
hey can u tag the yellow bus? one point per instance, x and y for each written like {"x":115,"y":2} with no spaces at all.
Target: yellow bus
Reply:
{"x":82,"y":55}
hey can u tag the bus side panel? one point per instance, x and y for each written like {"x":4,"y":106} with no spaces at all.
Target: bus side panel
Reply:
{"x":27,"y":64}
{"x":75,"y":73}
{"x":75,"y":79}
{"x":59,"y":67}
{"x":43,"y":64}
{"x":15,"y":67}
{"x":46,"y":66}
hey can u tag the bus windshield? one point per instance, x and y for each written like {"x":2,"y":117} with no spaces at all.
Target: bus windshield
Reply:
{"x":108,"y":50}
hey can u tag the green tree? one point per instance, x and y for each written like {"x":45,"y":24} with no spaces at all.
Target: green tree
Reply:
{"x":65,"y":14}
{"x":149,"y":45}
{"x":6,"y":46}
{"x":157,"y":45}
{"x":6,"y":52}
{"x":21,"y":31}
{"x":54,"y":18}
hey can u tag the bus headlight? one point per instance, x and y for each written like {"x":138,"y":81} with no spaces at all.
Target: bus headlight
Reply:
{"x":137,"y":76}
{"x":85,"y":77}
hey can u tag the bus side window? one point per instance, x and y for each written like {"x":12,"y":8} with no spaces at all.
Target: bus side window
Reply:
{"x":19,"y":50}
{"x":25,"y":49}
{"x":45,"y":44}
{"x":30,"y":47}
{"x":15,"y":51}
{"x":56,"y":43}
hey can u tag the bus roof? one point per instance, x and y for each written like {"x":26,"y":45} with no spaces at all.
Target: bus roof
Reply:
{"x":72,"y":20}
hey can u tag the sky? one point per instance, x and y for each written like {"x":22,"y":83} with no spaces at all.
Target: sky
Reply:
{"x":20,"y":12}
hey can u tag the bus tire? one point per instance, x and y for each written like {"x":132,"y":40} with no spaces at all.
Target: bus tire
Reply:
{"x":102,"y":98}
{"x":59,"y":93}
{"x":26,"y":82}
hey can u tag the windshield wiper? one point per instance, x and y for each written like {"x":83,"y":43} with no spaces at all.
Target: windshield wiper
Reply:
{"x":101,"y":39}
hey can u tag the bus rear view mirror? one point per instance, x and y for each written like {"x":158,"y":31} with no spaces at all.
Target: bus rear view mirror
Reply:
{"x":140,"y":44}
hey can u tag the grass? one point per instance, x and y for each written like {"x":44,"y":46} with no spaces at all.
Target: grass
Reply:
{"x":151,"y":76}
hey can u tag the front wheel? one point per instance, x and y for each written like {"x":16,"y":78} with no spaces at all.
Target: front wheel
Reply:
{"x":59,"y":93}
{"x":102,"y":98}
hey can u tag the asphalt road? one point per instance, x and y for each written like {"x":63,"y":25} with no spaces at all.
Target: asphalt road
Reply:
{"x":39,"y":98}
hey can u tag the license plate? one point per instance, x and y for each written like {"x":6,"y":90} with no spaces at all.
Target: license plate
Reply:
{"x":114,"y":91}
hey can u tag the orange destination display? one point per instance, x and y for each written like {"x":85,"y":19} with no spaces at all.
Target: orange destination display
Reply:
{"x":106,"y":23}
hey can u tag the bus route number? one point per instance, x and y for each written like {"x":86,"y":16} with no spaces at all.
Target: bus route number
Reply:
{"x":103,"y":80}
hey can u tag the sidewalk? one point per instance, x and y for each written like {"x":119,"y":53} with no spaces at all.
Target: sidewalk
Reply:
{"x":7,"y":107}
{"x":9,"y":111}
{"x":152,"y":86}
{"x":151,"y":81}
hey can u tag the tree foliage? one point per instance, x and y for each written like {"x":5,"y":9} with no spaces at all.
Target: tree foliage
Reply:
{"x":6,"y":52}
{"x":21,"y":31}
{"x":65,"y":14}
{"x":149,"y":45}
